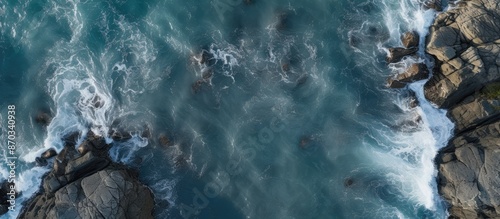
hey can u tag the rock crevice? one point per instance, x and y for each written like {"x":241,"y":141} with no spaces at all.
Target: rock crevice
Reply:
{"x":465,"y":42}
{"x":85,"y":183}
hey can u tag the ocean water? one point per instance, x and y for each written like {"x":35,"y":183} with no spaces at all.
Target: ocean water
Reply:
{"x":290,"y":118}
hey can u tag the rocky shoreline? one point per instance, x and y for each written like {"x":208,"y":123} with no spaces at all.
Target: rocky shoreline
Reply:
{"x":85,"y":183}
{"x":465,"y":43}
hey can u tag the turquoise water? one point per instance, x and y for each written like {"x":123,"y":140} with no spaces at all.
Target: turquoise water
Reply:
{"x":292,"y":120}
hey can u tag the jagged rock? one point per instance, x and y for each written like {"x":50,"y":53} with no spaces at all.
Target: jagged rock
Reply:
{"x":396,"y":54}
{"x":433,"y":4}
{"x":473,"y":111}
{"x":465,"y":43}
{"x":110,"y":193}
{"x":89,"y":185}
{"x":412,"y":99}
{"x":410,"y":39}
{"x":49,"y":153}
{"x":416,"y":72}
{"x":468,"y":173}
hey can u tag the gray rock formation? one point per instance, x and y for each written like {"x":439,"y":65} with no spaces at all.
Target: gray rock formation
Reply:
{"x":85,"y":183}
{"x":416,"y":72}
{"x":465,"y":42}
{"x":468,"y":173}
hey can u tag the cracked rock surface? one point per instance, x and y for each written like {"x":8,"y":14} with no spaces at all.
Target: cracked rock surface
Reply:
{"x":465,"y":42}
{"x":85,"y":183}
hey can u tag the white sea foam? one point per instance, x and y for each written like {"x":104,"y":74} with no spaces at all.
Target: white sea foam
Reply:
{"x":413,"y":153}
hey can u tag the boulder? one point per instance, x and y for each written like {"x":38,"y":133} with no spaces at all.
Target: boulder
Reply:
{"x":49,"y":153}
{"x":416,"y":72}
{"x":398,"y":53}
{"x":410,"y":39}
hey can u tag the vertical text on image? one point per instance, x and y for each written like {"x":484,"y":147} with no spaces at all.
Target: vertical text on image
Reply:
{"x":11,"y":155}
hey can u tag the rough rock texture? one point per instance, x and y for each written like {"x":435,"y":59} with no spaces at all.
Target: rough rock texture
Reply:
{"x":416,"y":72}
{"x":410,"y":39}
{"x":469,"y":173}
{"x":84,"y":183}
{"x":465,"y":42}
{"x":396,"y":54}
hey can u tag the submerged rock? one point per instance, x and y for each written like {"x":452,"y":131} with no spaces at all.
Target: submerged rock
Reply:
{"x":164,"y":140}
{"x":89,"y":185}
{"x":348,"y":182}
{"x":43,"y":118}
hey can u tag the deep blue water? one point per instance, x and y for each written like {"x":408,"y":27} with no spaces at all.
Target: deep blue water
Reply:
{"x":292,"y":120}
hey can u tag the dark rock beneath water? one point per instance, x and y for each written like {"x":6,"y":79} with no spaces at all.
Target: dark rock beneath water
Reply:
{"x":302,"y":80}
{"x":43,"y":118}
{"x":164,"y":140}
{"x":348,"y":182}
{"x":305,"y":142}
{"x":196,"y":86}
{"x":396,"y":54}
{"x":118,"y":135}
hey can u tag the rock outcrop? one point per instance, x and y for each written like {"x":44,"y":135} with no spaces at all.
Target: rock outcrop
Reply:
{"x":85,"y":183}
{"x":465,"y":42}
{"x":416,"y":72}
